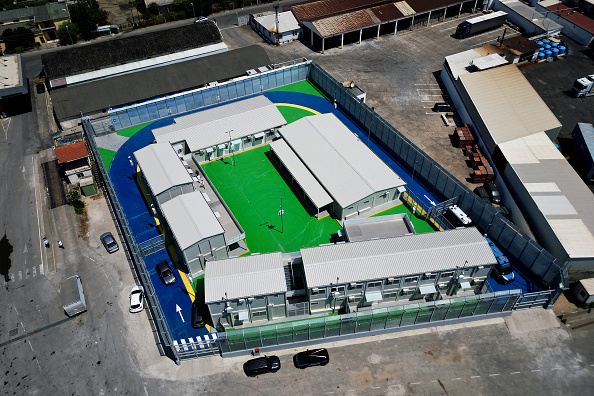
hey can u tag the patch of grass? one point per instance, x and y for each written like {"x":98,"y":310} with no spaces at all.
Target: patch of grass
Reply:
{"x":421,"y":226}
{"x":306,"y":87}
{"x":129,"y":132}
{"x":251,"y":190}
{"x":106,"y":156}
{"x":83,"y":224}
{"x":293,"y":114}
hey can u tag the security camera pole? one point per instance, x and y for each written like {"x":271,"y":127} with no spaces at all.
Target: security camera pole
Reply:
{"x":281,"y":212}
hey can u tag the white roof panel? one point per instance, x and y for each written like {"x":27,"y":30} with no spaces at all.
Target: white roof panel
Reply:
{"x":210,"y":127}
{"x":344,"y":165}
{"x":489,"y":61}
{"x":190,"y":219}
{"x":507,"y":103}
{"x":247,"y":276}
{"x":161,"y":167}
{"x":554,"y":205}
{"x":395,"y":257}
{"x":287,"y":22}
{"x":308,"y":183}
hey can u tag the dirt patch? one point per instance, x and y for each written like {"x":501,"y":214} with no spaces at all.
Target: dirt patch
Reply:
{"x":83,"y":225}
{"x":563,"y":306}
{"x":119,"y":11}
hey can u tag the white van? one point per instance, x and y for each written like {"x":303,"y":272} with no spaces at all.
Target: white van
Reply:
{"x":460,"y":216}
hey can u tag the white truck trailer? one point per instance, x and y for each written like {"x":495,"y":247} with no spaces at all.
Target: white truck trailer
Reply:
{"x":73,"y":297}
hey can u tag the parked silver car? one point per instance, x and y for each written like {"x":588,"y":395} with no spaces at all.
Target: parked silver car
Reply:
{"x":109,"y":242}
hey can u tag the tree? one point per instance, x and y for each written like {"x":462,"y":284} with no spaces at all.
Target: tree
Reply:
{"x":67,"y":33}
{"x":19,"y":37}
{"x":87,"y":15}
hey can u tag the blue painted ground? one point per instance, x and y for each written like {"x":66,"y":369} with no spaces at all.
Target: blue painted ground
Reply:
{"x":123,"y":176}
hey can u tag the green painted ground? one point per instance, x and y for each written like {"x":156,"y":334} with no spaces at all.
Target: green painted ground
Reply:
{"x":198,"y":286}
{"x":106,"y":156}
{"x":251,"y":188}
{"x":292,"y":114}
{"x":306,"y":87}
{"x":421,"y":226}
{"x":129,"y":132}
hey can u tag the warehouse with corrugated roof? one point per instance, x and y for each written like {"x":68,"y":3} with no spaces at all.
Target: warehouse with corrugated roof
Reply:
{"x":223,"y":130}
{"x":332,"y":23}
{"x":358,"y":181}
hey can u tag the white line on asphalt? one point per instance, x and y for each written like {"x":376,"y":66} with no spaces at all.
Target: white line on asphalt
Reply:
{"x":493,"y":375}
{"x":431,"y":101}
{"x":561,"y":368}
{"x":456,"y":379}
{"x":476,"y":376}
{"x":40,"y":269}
{"x":592,"y":365}
{"x":515,"y":372}
{"x":328,"y":393}
{"x":435,"y":95}
{"x":375,"y":387}
{"x":415,"y":383}
{"x":34,"y":271}
{"x":90,"y":259}
{"x":433,"y":113}
{"x":20,"y":275}
{"x":37,"y":209}
{"x":428,"y":84}
{"x":535,"y":371}
{"x":21,"y":323}
{"x":29,"y":342}
{"x":11,"y":277}
{"x":434,"y":381}
{"x":430,"y":89}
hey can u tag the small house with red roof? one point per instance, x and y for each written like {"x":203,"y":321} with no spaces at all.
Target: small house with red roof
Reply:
{"x":73,"y":160}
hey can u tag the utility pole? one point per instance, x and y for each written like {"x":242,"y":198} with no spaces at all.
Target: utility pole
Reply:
{"x":230,"y":147}
{"x":281,"y":212}
{"x":193,"y":11}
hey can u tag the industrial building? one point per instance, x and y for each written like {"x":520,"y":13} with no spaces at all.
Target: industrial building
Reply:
{"x":224,"y":130}
{"x":14,"y":94}
{"x":244,"y":290}
{"x":328,"y":23}
{"x":358,"y":182}
{"x":583,"y":138}
{"x":127,"y":54}
{"x":516,"y":131}
{"x":98,"y":98}
{"x":162,"y":171}
{"x":530,"y":22}
{"x":42,"y":20}
{"x":287,"y":28}
{"x":576,"y":25}
{"x":74,"y":162}
{"x":347,"y":277}
{"x":198,"y":235}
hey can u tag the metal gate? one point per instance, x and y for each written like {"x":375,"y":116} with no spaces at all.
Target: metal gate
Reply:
{"x":190,"y":348}
{"x":151,"y":246}
{"x":533,"y":300}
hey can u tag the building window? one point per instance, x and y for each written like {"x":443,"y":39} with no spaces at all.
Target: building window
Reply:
{"x":339,"y":289}
{"x":259,"y":315}
{"x":374,"y":284}
{"x":406,"y":292}
{"x":316,"y":292}
{"x":354,"y":286}
{"x":354,"y":299}
{"x":447,"y":274}
{"x":390,"y":295}
{"x":390,"y":281}
{"x":429,"y":276}
{"x":412,"y":279}
{"x":313,"y":303}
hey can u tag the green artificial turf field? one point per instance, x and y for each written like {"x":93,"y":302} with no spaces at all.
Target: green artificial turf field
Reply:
{"x":106,"y":156}
{"x":421,"y":226}
{"x":292,"y":114}
{"x":251,"y":189}
{"x":306,"y":87}
{"x":129,"y":132}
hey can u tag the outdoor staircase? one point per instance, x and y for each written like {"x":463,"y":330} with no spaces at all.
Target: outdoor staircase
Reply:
{"x":289,"y":277}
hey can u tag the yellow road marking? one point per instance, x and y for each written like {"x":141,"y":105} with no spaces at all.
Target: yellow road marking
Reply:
{"x":298,"y":107}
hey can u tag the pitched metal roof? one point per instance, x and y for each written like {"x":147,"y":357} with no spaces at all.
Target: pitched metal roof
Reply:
{"x":302,"y":175}
{"x":394,"y":257}
{"x":114,"y":52}
{"x":133,"y":87}
{"x":529,"y":14}
{"x":573,"y":16}
{"x":314,"y":10}
{"x":71,"y":152}
{"x":557,"y":190}
{"x":508,"y":105}
{"x":190,"y":219}
{"x":209,"y":127}
{"x":161,"y":167}
{"x":248,"y":276}
{"x":286,"y":21}
{"x":344,"y":165}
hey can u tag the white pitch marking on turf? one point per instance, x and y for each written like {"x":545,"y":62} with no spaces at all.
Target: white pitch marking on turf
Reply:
{"x":178,"y":309}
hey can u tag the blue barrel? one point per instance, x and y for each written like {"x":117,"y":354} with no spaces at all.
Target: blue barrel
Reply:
{"x":546,"y":41}
{"x":554,"y":45}
{"x":541,"y":56}
{"x":548,"y":54}
{"x":540,"y":43}
{"x":562,"y":50}
{"x":555,"y":52}
{"x":547,"y":47}
{"x":541,"y":49}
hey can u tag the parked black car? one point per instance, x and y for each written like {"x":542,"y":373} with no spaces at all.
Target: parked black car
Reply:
{"x":40,"y":88}
{"x":482,"y":193}
{"x":313,"y":357}
{"x":493,"y":192}
{"x":165,"y":273}
{"x":197,"y":316}
{"x":442,"y":106}
{"x":262,"y":365}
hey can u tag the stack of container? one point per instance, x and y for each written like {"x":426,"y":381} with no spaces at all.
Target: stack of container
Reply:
{"x":483,"y":172}
{"x":551,"y":49}
{"x":463,"y":137}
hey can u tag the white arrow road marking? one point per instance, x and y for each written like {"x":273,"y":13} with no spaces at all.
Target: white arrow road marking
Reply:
{"x":429,"y":199}
{"x":178,"y":309}
{"x":25,"y":250}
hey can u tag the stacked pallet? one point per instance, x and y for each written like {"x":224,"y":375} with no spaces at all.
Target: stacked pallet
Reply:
{"x":463,"y":137}
{"x":482,"y":174}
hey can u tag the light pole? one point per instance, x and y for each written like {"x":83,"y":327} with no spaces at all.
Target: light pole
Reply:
{"x":281,"y":212}
{"x":193,"y":11}
{"x":230,"y":147}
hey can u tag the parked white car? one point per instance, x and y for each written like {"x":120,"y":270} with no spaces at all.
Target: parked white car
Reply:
{"x":136,"y":299}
